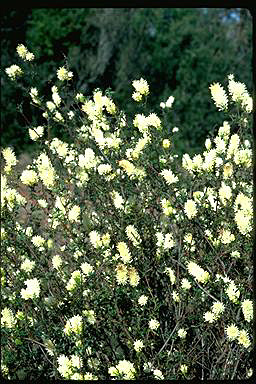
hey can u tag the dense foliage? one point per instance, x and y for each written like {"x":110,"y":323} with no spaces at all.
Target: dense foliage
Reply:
{"x":179,"y":51}
{"x":120,"y":258}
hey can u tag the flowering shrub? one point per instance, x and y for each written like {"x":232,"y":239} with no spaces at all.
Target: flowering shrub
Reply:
{"x":120,"y":260}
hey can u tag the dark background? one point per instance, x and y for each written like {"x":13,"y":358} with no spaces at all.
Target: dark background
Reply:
{"x":179,"y":51}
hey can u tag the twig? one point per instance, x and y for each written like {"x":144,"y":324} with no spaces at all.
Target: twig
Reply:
{"x":165,"y":342}
{"x":202,"y":340}
{"x":214,"y":298}
{"x":41,"y":345}
{"x":238,"y":360}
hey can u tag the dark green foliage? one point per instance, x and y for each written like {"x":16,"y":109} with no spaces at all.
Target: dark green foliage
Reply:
{"x":180,"y":52}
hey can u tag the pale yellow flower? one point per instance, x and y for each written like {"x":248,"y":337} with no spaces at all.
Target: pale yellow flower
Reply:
{"x":219,"y":96}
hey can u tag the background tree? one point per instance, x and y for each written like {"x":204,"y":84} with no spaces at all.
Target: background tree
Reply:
{"x":179,"y":51}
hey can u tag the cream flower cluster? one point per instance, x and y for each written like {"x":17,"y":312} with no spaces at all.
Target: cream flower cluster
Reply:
{"x":34,"y":95}
{"x":74,"y":325}
{"x":232,"y":292}
{"x":199,"y":274}
{"x":153,"y":324}
{"x":57,"y":261}
{"x":74,"y":281}
{"x":143,"y":123}
{"x":169,"y":176}
{"x":238,"y":92}
{"x":7,"y":318}
{"x":141,"y":89}
{"x":243,"y":213}
{"x":225,"y":193}
{"x":135,"y":153}
{"x":10,"y":159}
{"x":168,"y":103}
{"x":38,"y":242}
{"x":190,"y":208}
{"x":133,"y":235}
{"x":158,"y":374}
{"x":65,"y":366}
{"x":45,"y":170}
{"x":167,"y":207}
{"x":73,"y":214}
{"x":226,"y":236}
{"x":123,"y":273}
{"x":24,"y":53}
{"x":216,"y":310}
{"x":86,"y":268}
{"x":88,"y":160}
{"x":63,"y":74}
{"x":59,"y":148}
{"x":27,"y":265}
{"x":171,"y":274}
{"x":90,"y":315}
{"x":118,"y":201}
{"x":242,"y":336}
{"x":189,"y":242}
{"x":32,"y":291}
{"x":36,"y":133}
{"x":124,"y":252}
{"x":124,"y":368}
{"x":185,"y":284}
{"x":219,"y":96}
{"x":14,"y":71}
{"x":95,"y":108}
{"x":182,"y":333}
{"x":9,"y":196}
{"x":104,"y":169}
{"x":97,"y":240}
{"x":166,"y":241}
{"x":166,"y":143}
{"x":29,"y":177}
{"x":138,"y":345}
{"x":247,"y":308}
{"x":142,"y":300}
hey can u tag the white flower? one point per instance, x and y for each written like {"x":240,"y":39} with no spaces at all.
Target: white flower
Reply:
{"x":56,"y":261}
{"x":142,"y":300}
{"x":27,"y":265}
{"x":141,"y":86}
{"x":190,"y":208}
{"x":29,"y":177}
{"x":169,"y":102}
{"x":153,"y":324}
{"x":219,"y":96}
{"x":38,"y":241}
{"x":74,"y":213}
{"x":209,"y":317}
{"x":43,"y":203}
{"x":232,"y":332}
{"x":7,"y":318}
{"x":32,"y":290}
{"x":86,"y":268}
{"x":14,"y":71}
{"x":35,"y":133}
{"x":182,"y":333}
{"x":171,"y":274}
{"x":64,"y":74}
{"x":169,"y":176}
{"x":218,"y":308}
{"x":158,"y":374}
{"x":22,"y":51}
{"x":247,"y":309}
{"x":185,"y":284}
{"x":138,"y":345}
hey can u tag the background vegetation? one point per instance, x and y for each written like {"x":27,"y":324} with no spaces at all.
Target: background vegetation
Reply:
{"x":179,"y":51}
